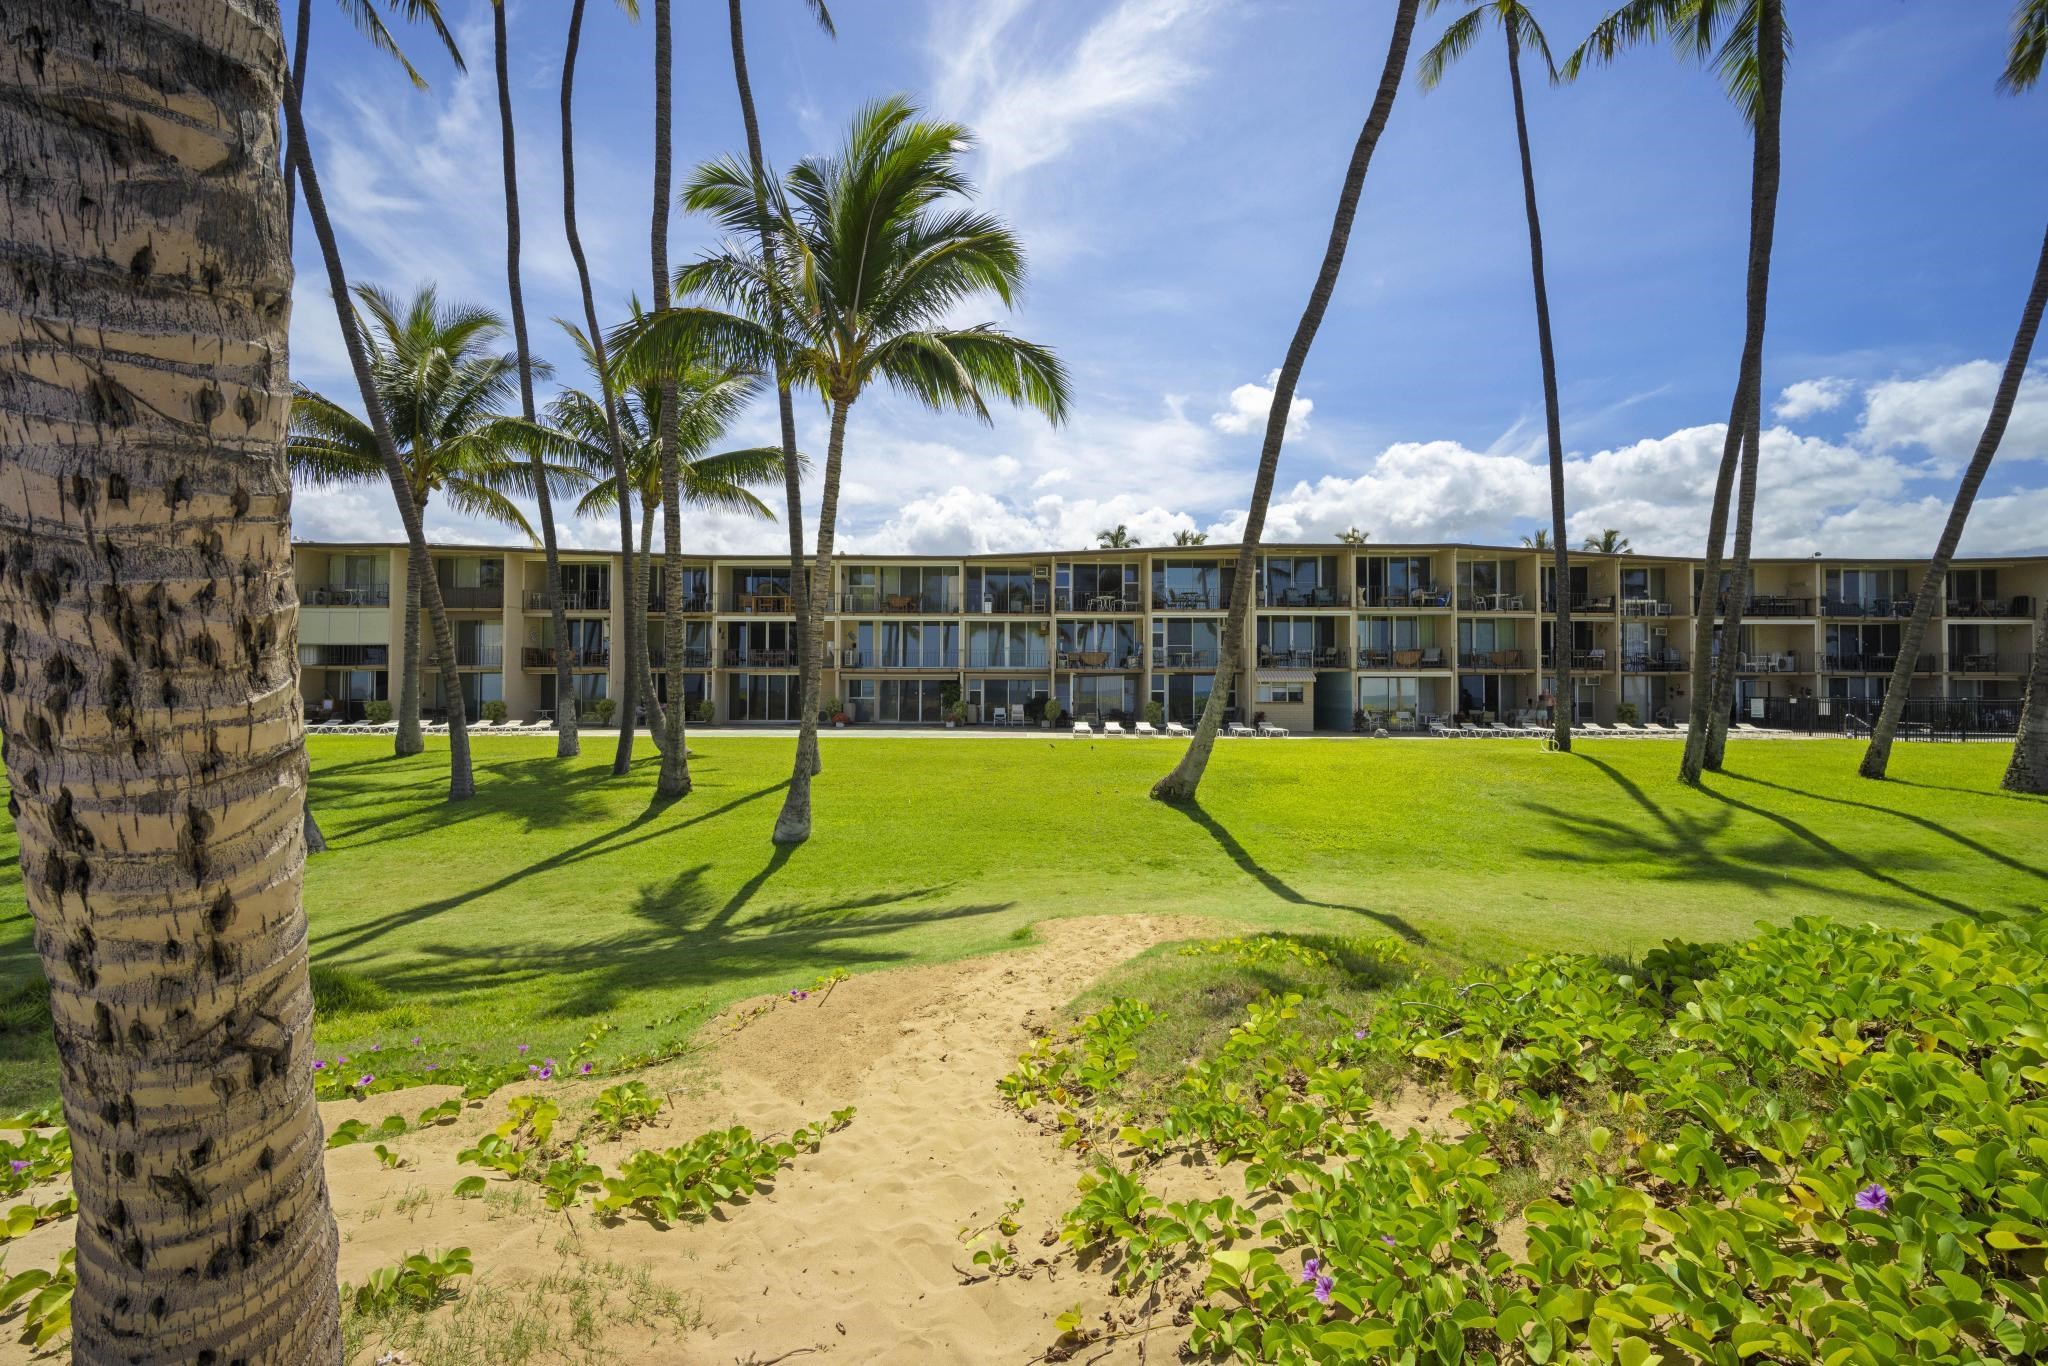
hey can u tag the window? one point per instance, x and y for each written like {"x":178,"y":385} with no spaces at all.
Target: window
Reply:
{"x":1281,"y":692}
{"x":1113,"y":697}
{"x":1389,"y":694}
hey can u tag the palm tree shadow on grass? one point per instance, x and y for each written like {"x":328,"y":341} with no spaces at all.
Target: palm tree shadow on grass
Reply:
{"x":1278,"y":886}
{"x":1695,"y":849}
{"x":1931,"y":826}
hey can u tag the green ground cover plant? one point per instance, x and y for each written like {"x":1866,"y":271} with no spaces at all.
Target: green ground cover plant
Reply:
{"x":1825,"y":1143}
{"x":559,"y":896}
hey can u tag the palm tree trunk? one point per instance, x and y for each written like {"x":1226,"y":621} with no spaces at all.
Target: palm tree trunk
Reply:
{"x":1746,"y":416}
{"x":410,"y":739}
{"x":1561,"y":629}
{"x":149,"y":688}
{"x":1181,"y":784}
{"x":567,"y":745}
{"x":316,"y":843}
{"x":807,"y":756}
{"x":622,"y":760}
{"x":657,"y":723}
{"x":1915,"y":631}
{"x":461,"y":781}
{"x":300,"y":42}
{"x":1725,"y":666}
{"x":674,"y":778}
{"x":2028,"y":771}
{"x":793,"y":824}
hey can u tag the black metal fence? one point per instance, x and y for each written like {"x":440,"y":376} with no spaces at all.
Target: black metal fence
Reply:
{"x":1924,"y":718}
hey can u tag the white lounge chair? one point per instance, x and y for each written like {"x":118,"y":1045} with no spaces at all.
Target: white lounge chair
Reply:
{"x":1175,"y":730}
{"x":1592,"y":728}
{"x":1240,"y":730}
{"x":1082,"y":732}
{"x":1271,"y":731}
{"x":1145,"y":728}
{"x":1113,"y":728}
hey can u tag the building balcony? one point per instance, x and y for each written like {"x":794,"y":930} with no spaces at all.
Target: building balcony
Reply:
{"x":1101,"y":661}
{"x":1652,"y":662}
{"x":1645,"y":607}
{"x":1182,"y":657}
{"x":1583,"y":661}
{"x":1889,"y":608}
{"x":477,"y":598}
{"x":1768,"y":605}
{"x":1013,"y":602}
{"x":1401,"y":661}
{"x":1585,"y":604}
{"x":344,"y":656}
{"x":1769,"y":662}
{"x":1836,"y":662}
{"x":543,"y":657}
{"x":1991,"y":607}
{"x":1311,"y":598}
{"x":765,"y":601}
{"x":1189,"y":602}
{"x":690,"y":604}
{"x":770,"y":659}
{"x":344,"y":595}
{"x":874,"y":603}
{"x":1066,"y":600}
{"x":942,"y":660}
{"x":1978,"y":662}
{"x":1431,"y":599}
{"x":479,"y":656}
{"x":537,"y":601}
{"x":1038,"y":660}
{"x":1494,"y":661}
{"x":1493,"y":602}
{"x":1328,"y":657}
{"x":692,"y":657}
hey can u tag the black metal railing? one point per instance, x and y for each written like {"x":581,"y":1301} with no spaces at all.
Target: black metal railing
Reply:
{"x":1583,"y":661}
{"x":479,"y":656}
{"x":1182,"y":657}
{"x":1645,"y":607}
{"x":344,"y":656}
{"x":877,"y":659}
{"x":345,"y":595}
{"x":1849,"y":662}
{"x":543,"y":657}
{"x":476,"y":597}
{"x":875,"y":602}
{"x":1405,"y":659}
{"x":766,"y":600}
{"x":1493,"y":661}
{"x":692,"y":657}
{"x":1768,"y":605}
{"x":1990,"y":662}
{"x":1652,"y":662}
{"x":1011,"y":602}
{"x":1922,"y":718}
{"x":1032,"y":658}
{"x":1327,"y":657}
{"x":761,"y":659}
{"x":1507,"y":600}
{"x":1069,"y":600}
{"x":1188,"y":602}
{"x":1403,"y":599}
{"x":537,"y":601}
{"x":1990,"y":607}
{"x":1305,"y":597}
{"x":1866,"y":607}
{"x":1101,"y":661}
{"x":686,"y":605}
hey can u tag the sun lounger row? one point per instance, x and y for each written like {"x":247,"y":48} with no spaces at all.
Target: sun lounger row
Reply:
{"x":431,"y":728}
{"x":1084,"y":731}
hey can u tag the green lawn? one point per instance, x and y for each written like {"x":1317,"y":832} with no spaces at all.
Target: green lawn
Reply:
{"x":558,"y":896}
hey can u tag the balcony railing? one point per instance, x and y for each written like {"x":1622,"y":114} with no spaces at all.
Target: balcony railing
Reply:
{"x":476,"y":597}
{"x":1328,"y":657}
{"x":537,"y":601}
{"x":1036,"y":659}
{"x":768,"y":600}
{"x":1067,"y":600}
{"x":1769,"y":662}
{"x":1182,"y":657}
{"x":1989,"y":662}
{"x":1583,"y":661}
{"x":876,"y":659}
{"x":1652,"y":662}
{"x":687,"y":604}
{"x":874,"y":602}
{"x":1838,"y":662}
{"x":1768,"y":605}
{"x":1990,"y":607}
{"x":479,"y":656}
{"x":1493,"y":661}
{"x":1405,"y":599}
{"x":1866,"y":607}
{"x":1011,"y":602}
{"x":692,"y":657}
{"x":345,"y":595}
{"x":1509,"y":601}
{"x":344,"y":656}
{"x":762,"y":659}
{"x":543,"y":657}
{"x":1589,"y":604}
{"x":1305,"y":597}
{"x":1101,"y":661}
{"x":1188,"y":602}
{"x":1403,"y":660}
{"x":1645,"y":607}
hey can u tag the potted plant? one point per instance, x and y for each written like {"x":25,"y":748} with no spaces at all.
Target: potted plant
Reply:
{"x":1052,"y":713}
{"x":840,"y":718}
{"x":956,"y":715}
{"x":601,"y":710}
{"x":1155,"y":714}
{"x":834,"y":711}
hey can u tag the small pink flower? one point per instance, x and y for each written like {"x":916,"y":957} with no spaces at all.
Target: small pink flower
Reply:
{"x":366,"y":1079}
{"x":585,"y":1069}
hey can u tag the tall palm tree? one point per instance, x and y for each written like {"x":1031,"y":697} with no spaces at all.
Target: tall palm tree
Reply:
{"x":622,"y":758}
{"x":363,"y":14}
{"x":1181,"y":785}
{"x":1538,"y":539}
{"x":1520,"y":29}
{"x":444,"y":390}
{"x":2023,"y":68}
{"x":674,"y":778}
{"x":1118,"y":537}
{"x":1352,"y":535}
{"x":567,"y":745}
{"x":762,"y":229}
{"x":1610,"y":541}
{"x":1746,"y":40}
{"x":1190,"y":538}
{"x":707,"y":401}
{"x":419,"y":571}
{"x":155,"y":756}
{"x":873,"y":258}
{"x":2028,"y":771}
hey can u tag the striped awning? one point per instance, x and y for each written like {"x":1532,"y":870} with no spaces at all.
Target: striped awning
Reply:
{"x":1287,"y":675}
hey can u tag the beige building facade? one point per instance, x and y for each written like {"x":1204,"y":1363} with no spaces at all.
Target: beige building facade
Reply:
{"x":1399,"y":634}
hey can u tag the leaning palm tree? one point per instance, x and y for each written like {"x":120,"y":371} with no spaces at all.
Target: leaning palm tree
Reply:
{"x":444,"y":389}
{"x":1609,"y":542}
{"x":873,"y":259}
{"x":622,"y":758}
{"x":707,"y":401}
{"x":1520,"y":29}
{"x":1117,"y":537}
{"x":2023,"y":68}
{"x":155,"y":761}
{"x":1182,"y":783}
{"x":762,"y":229}
{"x":567,"y":745}
{"x":1746,"y":40}
{"x":2028,"y":771}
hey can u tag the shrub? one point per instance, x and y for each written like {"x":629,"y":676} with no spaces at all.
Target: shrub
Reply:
{"x":377,"y":713}
{"x":707,"y":712}
{"x":957,"y":713}
{"x":494,"y":711}
{"x":1155,"y":715}
{"x":601,"y":710}
{"x":1053,"y":710}
{"x":418,"y":1282}
{"x":1627,"y":713}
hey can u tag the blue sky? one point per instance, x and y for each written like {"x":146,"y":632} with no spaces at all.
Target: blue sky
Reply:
{"x":1172,"y":166}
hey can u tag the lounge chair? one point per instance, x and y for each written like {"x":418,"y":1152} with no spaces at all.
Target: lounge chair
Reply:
{"x":1145,"y":728}
{"x":1271,"y":731}
{"x":1592,"y":728}
{"x":1082,"y":731}
{"x":1240,"y":730}
{"x":1113,"y":728}
{"x":1175,"y":730}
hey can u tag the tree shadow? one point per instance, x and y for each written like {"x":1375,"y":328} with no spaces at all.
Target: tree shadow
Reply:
{"x":1931,"y":826}
{"x":1278,"y":886}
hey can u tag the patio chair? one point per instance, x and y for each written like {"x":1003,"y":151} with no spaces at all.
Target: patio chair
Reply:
{"x":1502,"y":728}
{"x":1271,"y":731}
{"x":1144,"y":728}
{"x":1592,"y":728}
{"x":1082,"y":731}
{"x":1240,"y":730}
{"x":1113,"y":728}
{"x":1432,"y":659}
{"x":1175,"y":730}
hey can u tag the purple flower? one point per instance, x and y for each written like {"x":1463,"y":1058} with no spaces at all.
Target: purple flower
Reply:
{"x":1874,"y":1198}
{"x":340,"y":1059}
{"x":1323,"y":1285}
{"x":19,"y":1166}
{"x":1358,"y":1033}
{"x":1387,"y":1238}
{"x":1309,"y":1267}
{"x":532,"y":1068}
{"x":376,"y":1048}
{"x":432,"y":1065}
{"x":366,"y":1079}
{"x":319,"y":1063}
{"x":524,"y":1047}
{"x":415,"y":1041}
{"x":585,"y":1069}
{"x":547,"y":1072}
{"x":796,"y":995}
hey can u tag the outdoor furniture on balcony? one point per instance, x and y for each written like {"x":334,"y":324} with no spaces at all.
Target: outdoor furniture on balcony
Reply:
{"x":1182,"y":657}
{"x":1991,"y":607}
{"x":543,"y":657}
{"x":537,"y":601}
{"x":1374,"y":659}
{"x":770,"y":603}
{"x":345,"y":595}
{"x":1432,"y":659}
{"x":1644,"y":607}
{"x":694,"y":603}
{"x":1652,"y":662}
{"x":1407,"y":659}
{"x":1778,"y":662}
{"x":1169,"y":601}
{"x":764,"y":659}
{"x":1772,"y":605}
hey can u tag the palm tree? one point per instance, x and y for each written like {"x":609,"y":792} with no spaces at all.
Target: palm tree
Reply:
{"x":363,"y":14}
{"x":872,"y":261}
{"x":155,"y":761}
{"x":1352,"y":535}
{"x":762,"y":230}
{"x":1191,"y":538}
{"x":1538,"y":539}
{"x":1181,"y":784}
{"x":707,"y":400}
{"x":444,"y":390}
{"x":419,"y":570}
{"x":2028,"y":771}
{"x":622,"y":758}
{"x":1520,"y":28}
{"x":1118,"y":537}
{"x":567,"y":745}
{"x":1751,"y":61}
{"x":2023,"y":68}
{"x":1609,"y":542}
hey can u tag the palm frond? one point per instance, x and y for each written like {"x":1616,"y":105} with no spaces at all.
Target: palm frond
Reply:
{"x":822,"y":16}
{"x":1632,"y":24}
{"x":1456,"y":41}
{"x":2029,"y":46}
{"x":473,"y":499}
{"x":720,"y":481}
{"x":363,"y":14}
{"x":327,"y":444}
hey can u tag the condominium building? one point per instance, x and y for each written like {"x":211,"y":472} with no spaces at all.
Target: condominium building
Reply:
{"x":1403,"y":633}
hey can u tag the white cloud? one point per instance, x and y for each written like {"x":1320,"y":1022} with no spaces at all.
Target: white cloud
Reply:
{"x":1810,"y":396}
{"x":1250,"y":404}
{"x":1944,"y":413}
